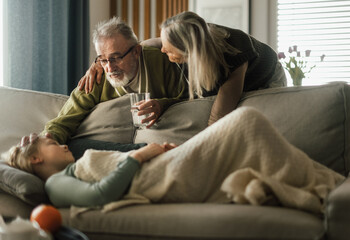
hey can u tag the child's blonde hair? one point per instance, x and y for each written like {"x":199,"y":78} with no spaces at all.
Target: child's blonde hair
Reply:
{"x":18,"y":156}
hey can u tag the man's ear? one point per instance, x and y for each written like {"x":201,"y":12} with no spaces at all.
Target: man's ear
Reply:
{"x":138,"y":49}
{"x":35,"y":159}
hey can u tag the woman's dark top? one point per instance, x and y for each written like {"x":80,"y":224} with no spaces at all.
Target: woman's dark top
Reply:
{"x":262,"y":60}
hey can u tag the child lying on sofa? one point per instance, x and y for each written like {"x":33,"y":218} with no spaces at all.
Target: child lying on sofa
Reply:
{"x":241,"y":158}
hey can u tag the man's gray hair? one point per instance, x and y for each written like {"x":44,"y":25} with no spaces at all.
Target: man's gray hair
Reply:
{"x":112,"y":27}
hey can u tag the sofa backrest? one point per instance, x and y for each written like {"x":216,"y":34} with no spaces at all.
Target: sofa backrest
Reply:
{"x":313,"y":118}
{"x":24,"y":112}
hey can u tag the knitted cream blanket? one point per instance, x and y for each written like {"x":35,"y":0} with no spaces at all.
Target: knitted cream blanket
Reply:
{"x":241,"y":158}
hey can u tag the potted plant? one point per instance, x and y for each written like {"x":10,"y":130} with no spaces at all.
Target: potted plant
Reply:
{"x":297,"y":64}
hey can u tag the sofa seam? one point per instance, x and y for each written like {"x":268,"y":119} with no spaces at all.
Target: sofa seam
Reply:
{"x":270,"y":91}
{"x":27,"y":91}
{"x":345,"y":99}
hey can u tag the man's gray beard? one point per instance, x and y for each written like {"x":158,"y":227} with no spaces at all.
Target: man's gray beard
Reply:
{"x":116,"y":82}
{"x":126,"y":79}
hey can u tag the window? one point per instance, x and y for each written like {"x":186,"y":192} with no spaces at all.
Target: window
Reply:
{"x":322,"y":26}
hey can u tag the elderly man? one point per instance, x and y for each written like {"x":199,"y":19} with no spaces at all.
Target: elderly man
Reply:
{"x":128,"y":67}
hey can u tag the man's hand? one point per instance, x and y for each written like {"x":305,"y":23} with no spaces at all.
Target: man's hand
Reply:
{"x":25,"y":140}
{"x":94,"y":73}
{"x":151,"y":107}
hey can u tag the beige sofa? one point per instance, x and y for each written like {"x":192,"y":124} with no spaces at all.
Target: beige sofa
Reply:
{"x":315,"y":119}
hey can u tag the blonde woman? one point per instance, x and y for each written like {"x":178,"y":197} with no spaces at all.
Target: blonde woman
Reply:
{"x":218,"y":60}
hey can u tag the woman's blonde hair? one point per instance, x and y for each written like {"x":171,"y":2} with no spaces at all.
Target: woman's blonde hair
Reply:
{"x":203,"y":45}
{"x":19,"y":157}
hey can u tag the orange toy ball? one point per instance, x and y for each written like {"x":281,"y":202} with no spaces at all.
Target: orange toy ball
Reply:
{"x":47,"y":216}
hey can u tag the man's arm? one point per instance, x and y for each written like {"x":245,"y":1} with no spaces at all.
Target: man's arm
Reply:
{"x":74,"y":111}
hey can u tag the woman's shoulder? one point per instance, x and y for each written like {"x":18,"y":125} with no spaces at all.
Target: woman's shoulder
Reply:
{"x":230,"y":32}
{"x":153,"y":56}
{"x":149,"y":51}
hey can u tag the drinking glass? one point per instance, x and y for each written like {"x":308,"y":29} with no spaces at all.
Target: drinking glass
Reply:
{"x":135,"y":100}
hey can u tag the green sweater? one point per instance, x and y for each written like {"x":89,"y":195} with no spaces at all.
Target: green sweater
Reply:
{"x":164,"y":84}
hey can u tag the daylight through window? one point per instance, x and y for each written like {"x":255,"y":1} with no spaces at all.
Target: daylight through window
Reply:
{"x":322,"y":26}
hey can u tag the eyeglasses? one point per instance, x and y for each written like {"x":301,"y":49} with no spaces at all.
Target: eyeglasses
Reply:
{"x":113,"y":60}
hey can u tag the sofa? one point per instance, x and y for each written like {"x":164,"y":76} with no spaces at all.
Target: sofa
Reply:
{"x":313,"y":118}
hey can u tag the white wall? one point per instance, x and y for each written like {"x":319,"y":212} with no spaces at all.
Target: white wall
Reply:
{"x":263,"y":21}
{"x":99,"y":11}
{"x":229,"y":13}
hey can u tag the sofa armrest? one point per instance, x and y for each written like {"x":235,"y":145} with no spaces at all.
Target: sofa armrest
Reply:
{"x":337,"y":217}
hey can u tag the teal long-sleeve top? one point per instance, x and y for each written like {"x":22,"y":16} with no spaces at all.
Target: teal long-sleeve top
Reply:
{"x":65,"y":189}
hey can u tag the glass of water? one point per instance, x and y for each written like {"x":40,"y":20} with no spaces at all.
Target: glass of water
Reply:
{"x":135,"y":100}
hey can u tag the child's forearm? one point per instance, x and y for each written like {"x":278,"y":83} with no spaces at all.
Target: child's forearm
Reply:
{"x":64,"y":190}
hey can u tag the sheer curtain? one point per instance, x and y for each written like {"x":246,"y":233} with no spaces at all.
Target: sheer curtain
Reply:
{"x":46,"y":44}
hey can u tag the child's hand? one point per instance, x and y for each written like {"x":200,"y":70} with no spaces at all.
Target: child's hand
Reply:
{"x":148,"y":152}
{"x":168,"y":146}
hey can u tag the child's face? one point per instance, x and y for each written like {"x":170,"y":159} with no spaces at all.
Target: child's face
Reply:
{"x":54,"y":153}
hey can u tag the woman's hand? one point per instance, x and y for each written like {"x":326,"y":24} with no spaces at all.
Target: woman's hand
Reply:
{"x":93,"y":73}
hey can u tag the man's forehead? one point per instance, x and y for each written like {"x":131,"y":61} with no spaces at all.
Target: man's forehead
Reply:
{"x":111,"y":45}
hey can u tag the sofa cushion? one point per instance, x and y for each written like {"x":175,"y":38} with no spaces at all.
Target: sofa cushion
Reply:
{"x":197,"y":221}
{"x":314,"y":119}
{"x":110,"y":121}
{"x":11,"y":206}
{"x":23,"y":185}
{"x":179,"y":123}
